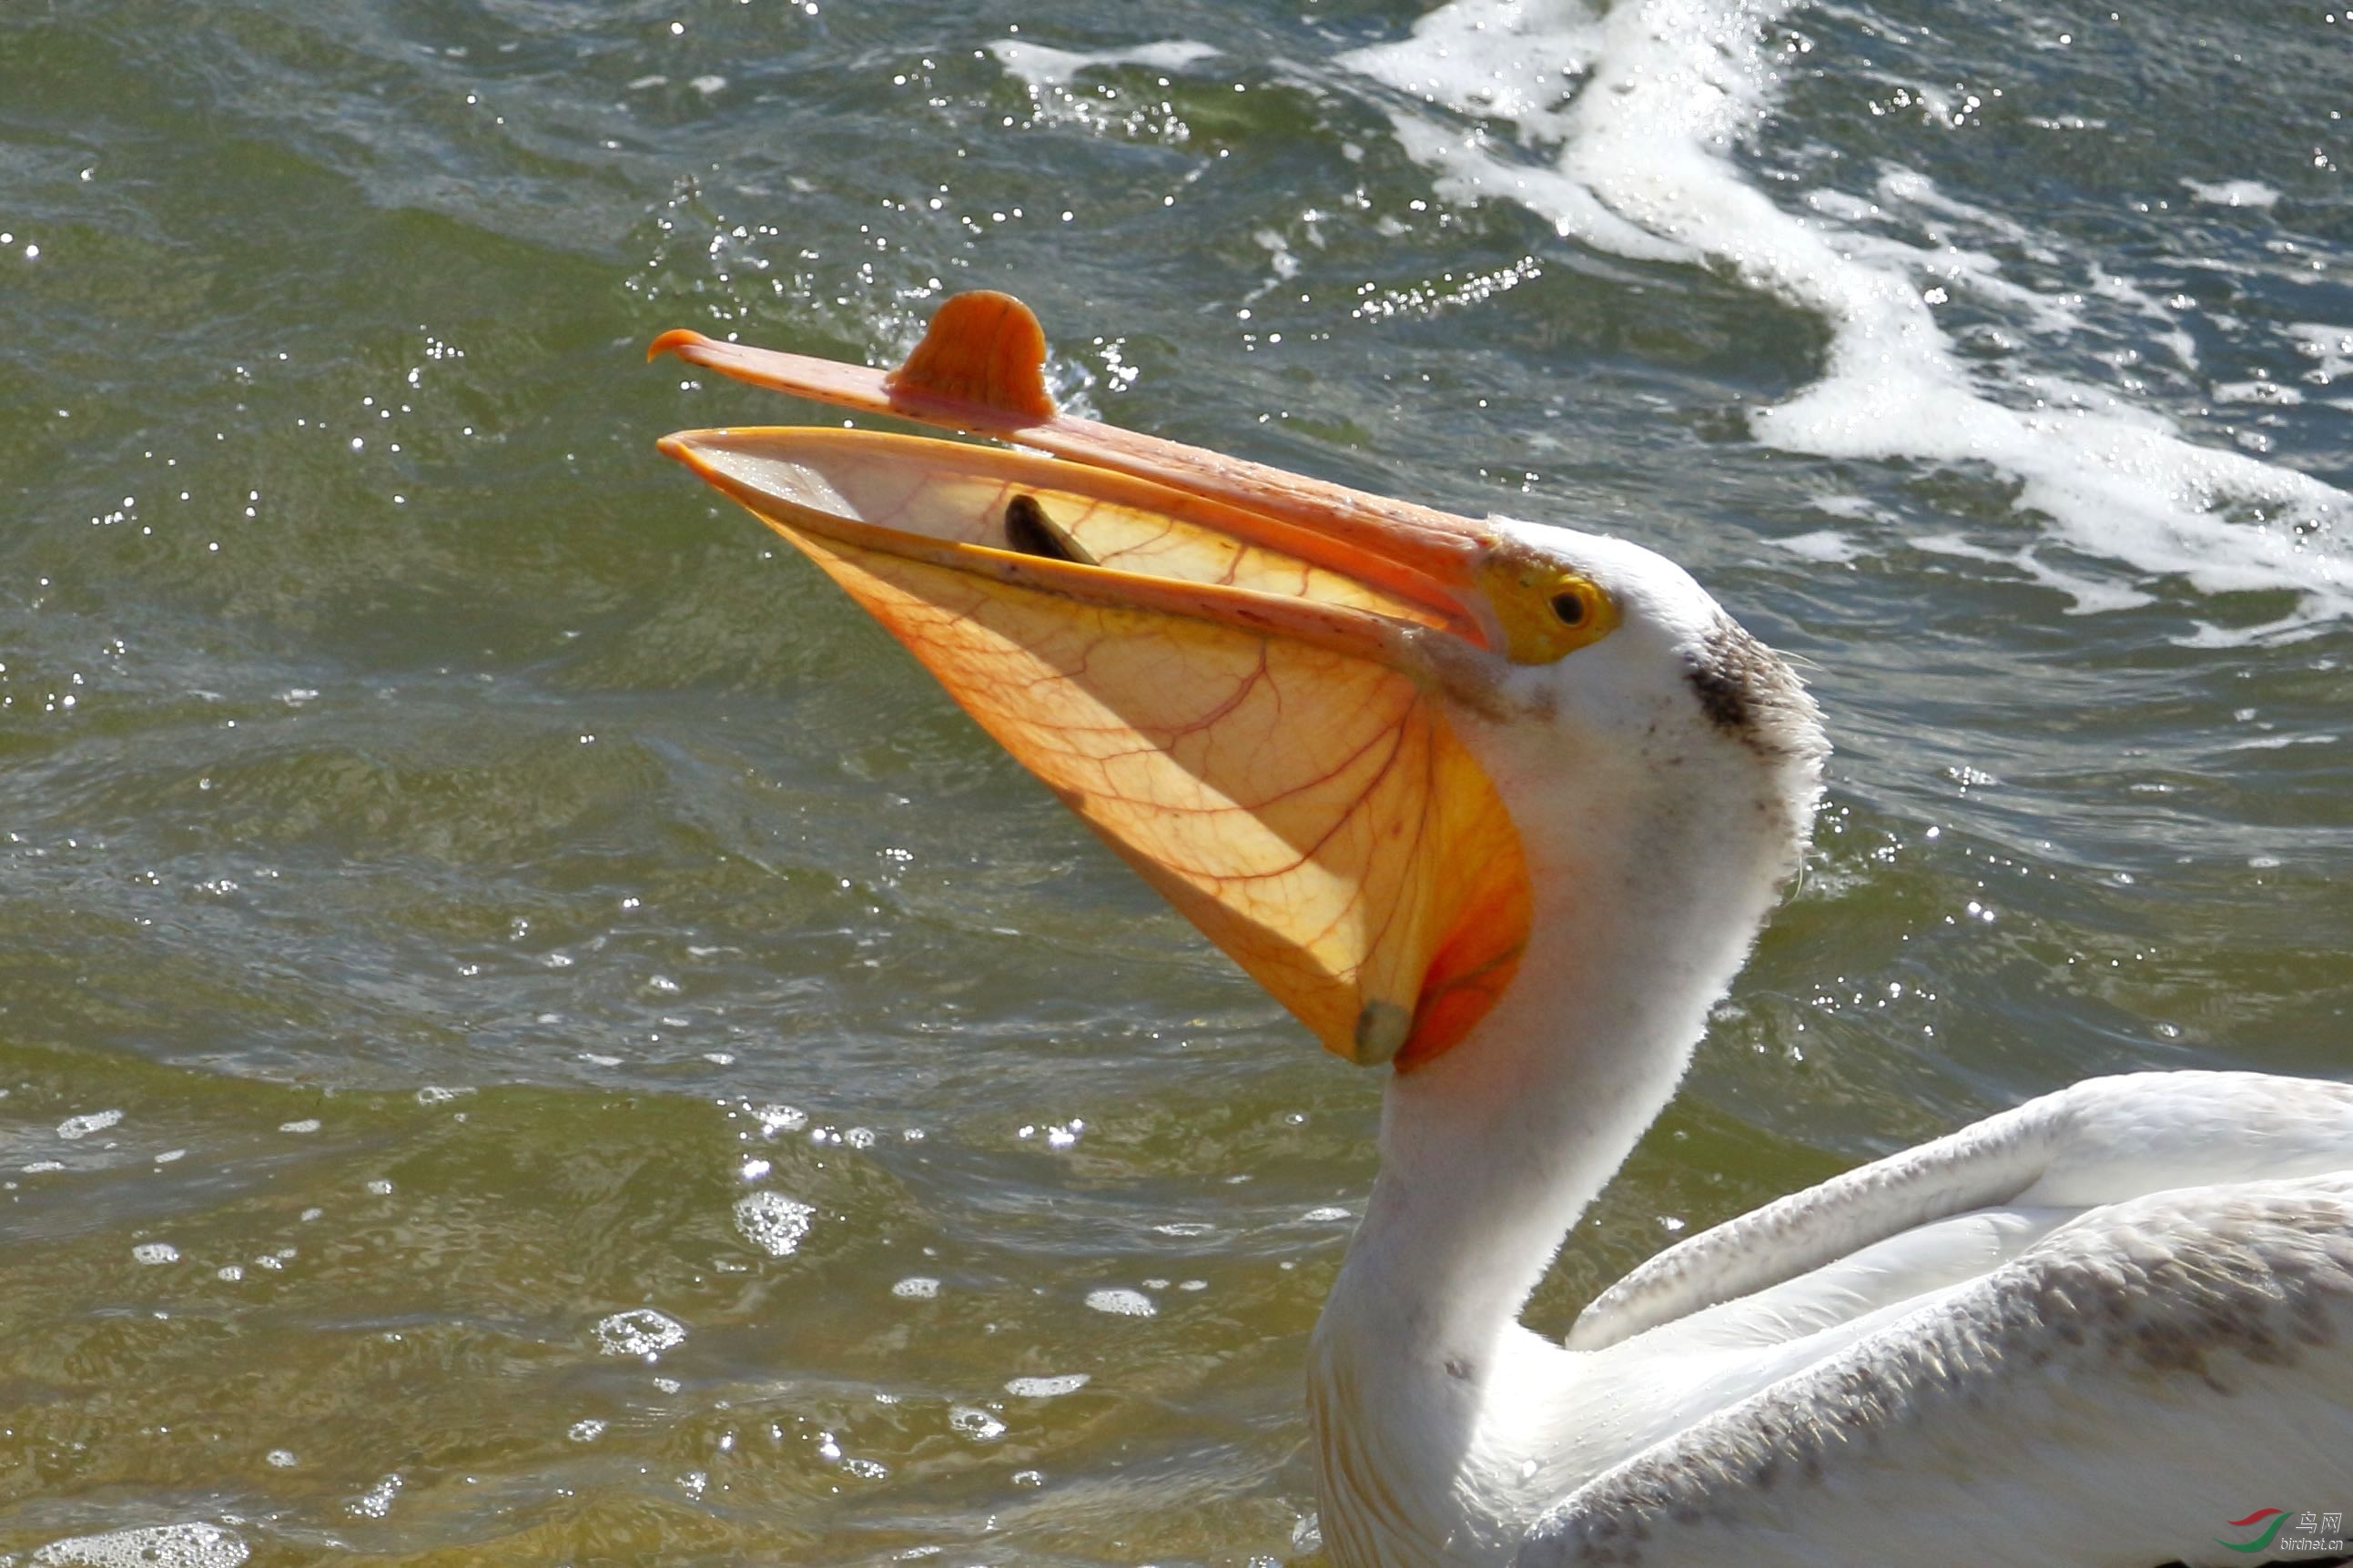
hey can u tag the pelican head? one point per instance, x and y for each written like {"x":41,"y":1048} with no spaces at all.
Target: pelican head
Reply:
{"x":1328,"y":726}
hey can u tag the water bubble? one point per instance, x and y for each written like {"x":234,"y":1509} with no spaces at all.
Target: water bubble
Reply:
{"x":151,"y":1252}
{"x":975,"y":1424}
{"x":916,"y":1288}
{"x":585,"y":1431}
{"x":1122,"y":1303}
{"x":776,"y":1118}
{"x":376,"y":1501}
{"x":638,"y":1332}
{"x":773,"y":1221}
{"x":82,"y":1126}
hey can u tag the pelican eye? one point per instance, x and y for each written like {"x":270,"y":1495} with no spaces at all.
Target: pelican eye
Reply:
{"x":1547,"y":610}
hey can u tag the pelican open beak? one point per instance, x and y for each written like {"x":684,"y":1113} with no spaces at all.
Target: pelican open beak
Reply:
{"x":1237,"y":676}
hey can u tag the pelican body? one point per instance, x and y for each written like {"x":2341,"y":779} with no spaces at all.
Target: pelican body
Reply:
{"x":1501,"y":808}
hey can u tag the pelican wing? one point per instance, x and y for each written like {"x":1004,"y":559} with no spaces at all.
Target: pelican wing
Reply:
{"x":1949,"y":1209}
{"x":2194,"y":1333}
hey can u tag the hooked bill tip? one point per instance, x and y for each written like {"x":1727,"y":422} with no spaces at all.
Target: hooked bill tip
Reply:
{"x":675,"y":340}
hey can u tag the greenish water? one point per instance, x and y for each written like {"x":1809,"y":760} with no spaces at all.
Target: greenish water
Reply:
{"x":451,"y":865}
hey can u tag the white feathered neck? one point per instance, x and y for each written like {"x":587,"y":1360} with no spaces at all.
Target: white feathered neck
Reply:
{"x":1662,"y":781}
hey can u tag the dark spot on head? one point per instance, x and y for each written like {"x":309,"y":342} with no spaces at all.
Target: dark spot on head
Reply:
{"x":1029,"y":530}
{"x":1742,"y":685}
{"x":1459,"y":1368}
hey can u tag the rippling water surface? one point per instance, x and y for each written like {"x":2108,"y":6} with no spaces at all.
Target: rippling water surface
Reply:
{"x":529,"y":1032}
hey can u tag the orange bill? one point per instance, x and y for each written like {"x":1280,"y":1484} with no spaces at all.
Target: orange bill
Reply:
{"x":1249,"y":706}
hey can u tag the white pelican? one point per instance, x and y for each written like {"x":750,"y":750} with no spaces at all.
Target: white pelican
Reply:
{"x":1502,"y":808}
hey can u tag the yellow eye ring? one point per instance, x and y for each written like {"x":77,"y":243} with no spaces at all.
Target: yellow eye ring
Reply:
{"x":1547,"y":610}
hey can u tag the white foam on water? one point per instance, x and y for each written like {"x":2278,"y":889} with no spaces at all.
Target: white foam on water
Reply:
{"x":1827,"y":545}
{"x":1121,"y":1302}
{"x":156,"y":1546}
{"x":773,"y":1221}
{"x":2330,"y":348}
{"x":2091,"y":595}
{"x":2234,"y":193}
{"x":2265,"y":392}
{"x":776,"y":1118}
{"x":82,"y":1126}
{"x":1047,"y":1387}
{"x":639,"y":1332}
{"x":1042,"y":68}
{"x":1639,"y":111}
